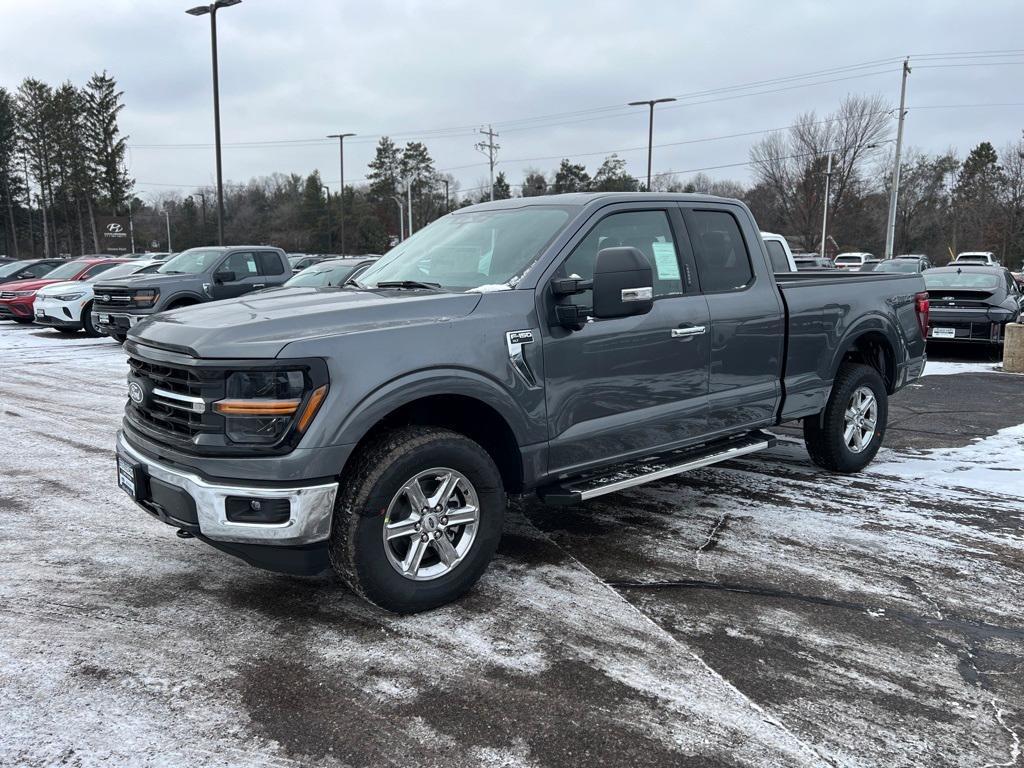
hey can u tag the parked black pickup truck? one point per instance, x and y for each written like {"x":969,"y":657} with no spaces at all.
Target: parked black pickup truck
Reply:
{"x":192,"y":277}
{"x":567,"y":346}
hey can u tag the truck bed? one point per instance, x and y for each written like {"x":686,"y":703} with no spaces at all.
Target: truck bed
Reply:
{"x":826,"y":312}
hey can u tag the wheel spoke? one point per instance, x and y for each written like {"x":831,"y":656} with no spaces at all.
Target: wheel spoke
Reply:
{"x":848,"y":433}
{"x":414,"y":493}
{"x":462,"y":515}
{"x":402,"y":528}
{"x":445,"y":550}
{"x":411,"y":564}
{"x":869,"y":424}
{"x":444,"y":491}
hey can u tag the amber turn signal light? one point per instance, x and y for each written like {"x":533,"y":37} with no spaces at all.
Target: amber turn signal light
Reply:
{"x":256,"y":407}
{"x":315,"y":400}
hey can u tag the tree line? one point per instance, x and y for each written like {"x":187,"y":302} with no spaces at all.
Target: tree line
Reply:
{"x":62,"y":157}
{"x":61,"y":165}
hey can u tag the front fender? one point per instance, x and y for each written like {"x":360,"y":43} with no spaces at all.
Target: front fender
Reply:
{"x":527,"y":428}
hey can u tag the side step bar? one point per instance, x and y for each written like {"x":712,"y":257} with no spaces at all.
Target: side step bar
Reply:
{"x":573,"y":490}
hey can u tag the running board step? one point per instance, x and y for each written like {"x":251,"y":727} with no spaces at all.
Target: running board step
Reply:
{"x":573,"y":490}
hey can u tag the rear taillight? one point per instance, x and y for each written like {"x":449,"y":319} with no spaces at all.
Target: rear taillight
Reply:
{"x":921,"y":307}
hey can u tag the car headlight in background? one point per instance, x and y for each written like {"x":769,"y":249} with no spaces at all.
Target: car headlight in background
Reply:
{"x":260,"y":407}
{"x":24,"y":293}
{"x":146,"y":298}
{"x":70,"y":296}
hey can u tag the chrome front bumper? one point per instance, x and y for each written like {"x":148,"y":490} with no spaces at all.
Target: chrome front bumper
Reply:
{"x":312,"y":506}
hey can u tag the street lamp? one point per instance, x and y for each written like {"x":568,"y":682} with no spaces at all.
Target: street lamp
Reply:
{"x":167,"y":218}
{"x":341,"y":184}
{"x":828,"y":179}
{"x":327,"y":190}
{"x":201,"y":10}
{"x":650,"y":131}
{"x":401,"y":217}
{"x":447,"y":207}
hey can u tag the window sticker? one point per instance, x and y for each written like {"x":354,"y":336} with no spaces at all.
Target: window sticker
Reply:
{"x":665,"y":260}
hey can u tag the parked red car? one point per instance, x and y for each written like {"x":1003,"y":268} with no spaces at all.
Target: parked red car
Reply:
{"x":16,"y":298}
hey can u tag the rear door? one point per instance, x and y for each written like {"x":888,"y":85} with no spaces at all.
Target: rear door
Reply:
{"x":630,"y":385}
{"x":273,"y":267}
{"x":246,"y":275}
{"x":747,"y":320}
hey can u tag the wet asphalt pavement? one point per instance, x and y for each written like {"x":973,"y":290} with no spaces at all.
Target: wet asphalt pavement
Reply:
{"x":759,"y":613}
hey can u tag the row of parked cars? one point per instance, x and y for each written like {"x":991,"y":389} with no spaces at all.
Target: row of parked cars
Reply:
{"x":106,"y":295}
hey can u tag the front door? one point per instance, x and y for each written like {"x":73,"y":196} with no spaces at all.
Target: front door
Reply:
{"x":633,"y":385}
{"x":245,"y":268}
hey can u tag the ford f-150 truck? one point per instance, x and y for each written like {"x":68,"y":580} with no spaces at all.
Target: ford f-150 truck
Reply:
{"x":192,"y":277}
{"x":566,"y":346}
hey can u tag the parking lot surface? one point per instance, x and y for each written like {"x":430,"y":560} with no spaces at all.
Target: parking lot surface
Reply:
{"x":760,"y":613}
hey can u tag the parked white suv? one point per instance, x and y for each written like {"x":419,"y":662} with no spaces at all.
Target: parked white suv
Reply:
{"x":778,"y":252}
{"x":854,"y":261}
{"x":986,"y":258}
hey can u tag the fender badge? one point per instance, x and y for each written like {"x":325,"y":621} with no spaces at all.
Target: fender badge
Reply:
{"x":519,"y":337}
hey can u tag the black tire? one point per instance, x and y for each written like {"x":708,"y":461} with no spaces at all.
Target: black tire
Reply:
{"x":357,"y":546}
{"x":824,"y":432}
{"x":87,"y":326}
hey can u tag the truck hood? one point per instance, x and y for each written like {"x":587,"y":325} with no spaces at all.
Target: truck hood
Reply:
{"x":261,"y":325}
{"x":148,"y":281}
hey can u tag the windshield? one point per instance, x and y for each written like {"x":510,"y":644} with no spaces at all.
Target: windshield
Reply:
{"x":9,"y":269}
{"x":848,"y":260}
{"x":979,"y":281}
{"x":320,"y":275}
{"x":119,"y":270}
{"x":971,"y":260}
{"x":190,"y":262}
{"x":463,"y":251}
{"x":898,"y":265}
{"x":65,"y":271}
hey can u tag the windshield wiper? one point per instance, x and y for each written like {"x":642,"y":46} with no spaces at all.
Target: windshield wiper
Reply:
{"x":407,"y":284}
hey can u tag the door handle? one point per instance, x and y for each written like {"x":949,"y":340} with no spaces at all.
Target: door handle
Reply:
{"x":690,"y":330}
{"x":259,"y":285}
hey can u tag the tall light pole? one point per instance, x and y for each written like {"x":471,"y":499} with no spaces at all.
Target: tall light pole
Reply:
{"x":650,"y":131}
{"x":201,"y":10}
{"x":408,"y":192}
{"x":341,"y":184}
{"x":167,"y":218}
{"x":327,"y":190}
{"x":824,"y":217}
{"x":447,"y":207}
{"x":890,"y":225}
{"x":131,"y":223}
{"x":401,"y":217}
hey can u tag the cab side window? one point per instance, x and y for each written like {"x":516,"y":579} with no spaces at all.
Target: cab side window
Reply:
{"x":270,"y":263}
{"x":243,"y":264}
{"x":723,"y":263}
{"x":647,"y":231}
{"x":777,"y":255}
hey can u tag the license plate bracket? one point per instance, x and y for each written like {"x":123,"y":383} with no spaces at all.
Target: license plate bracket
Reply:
{"x":132,"y":478}
{"x":943,"y":333}
{"x":104,"y":318}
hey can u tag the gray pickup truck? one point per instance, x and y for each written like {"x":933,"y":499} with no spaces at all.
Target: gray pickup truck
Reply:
{"x":192,"y":277}
{"x":566,"y":346}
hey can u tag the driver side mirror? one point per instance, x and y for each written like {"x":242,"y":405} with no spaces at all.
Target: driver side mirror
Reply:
{"x":224,"y":276}
{"x":623,"y":283}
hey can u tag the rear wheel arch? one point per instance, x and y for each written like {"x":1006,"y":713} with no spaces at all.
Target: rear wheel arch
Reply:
{"x":875,"y":349}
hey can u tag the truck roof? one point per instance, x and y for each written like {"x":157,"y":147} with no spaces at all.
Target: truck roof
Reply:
{"x":580,"y":199}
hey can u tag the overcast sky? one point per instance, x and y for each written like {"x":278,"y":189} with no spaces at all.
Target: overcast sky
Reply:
{"x":297,"y":70}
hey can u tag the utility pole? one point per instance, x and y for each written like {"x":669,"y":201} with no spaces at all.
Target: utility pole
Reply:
{"x":890,"y":227}
{"x":824,"y":218}
{"x":131,"y":223}
{"x":490,"y":149}
{"x":650,"y":130}
{"x":341,"y":184}
{"x":408,"y":192}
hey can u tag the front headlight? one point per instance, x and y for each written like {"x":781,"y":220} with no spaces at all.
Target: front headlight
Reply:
{"x":260,"y":407}
{"x":24,"y":293}
{"x":70,"y":296}
{"x":146,"y":298}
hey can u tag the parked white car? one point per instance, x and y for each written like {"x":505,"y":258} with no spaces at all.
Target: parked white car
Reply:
{"x":984,"y":258}
{"x":854,"y":261}
{"x":67,"y":306}
{"x":779,"y":252}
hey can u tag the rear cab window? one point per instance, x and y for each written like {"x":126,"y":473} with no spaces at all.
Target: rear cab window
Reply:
{"x":270,"y":263}
{"x":720,"y":252}
{"x":777,"y":255}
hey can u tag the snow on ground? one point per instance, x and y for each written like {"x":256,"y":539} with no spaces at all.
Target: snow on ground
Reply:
{"x":948,"y":368}
{"x":760,"y":613}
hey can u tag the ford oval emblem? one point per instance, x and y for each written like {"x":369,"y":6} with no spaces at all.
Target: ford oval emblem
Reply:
{"x":135,"y":392}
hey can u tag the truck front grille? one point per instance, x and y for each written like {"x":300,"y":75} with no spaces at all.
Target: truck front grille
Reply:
{"x":113,"y":298}
{"x":176,"y":407}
